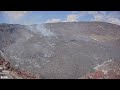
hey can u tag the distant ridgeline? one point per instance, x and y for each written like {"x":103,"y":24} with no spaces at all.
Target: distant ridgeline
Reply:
{"x":59,"y":50}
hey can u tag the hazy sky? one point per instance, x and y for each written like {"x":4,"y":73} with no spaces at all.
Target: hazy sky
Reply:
{"x":37,"y":17}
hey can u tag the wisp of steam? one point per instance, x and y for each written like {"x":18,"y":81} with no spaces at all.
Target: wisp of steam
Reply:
{"x":41,"y":29}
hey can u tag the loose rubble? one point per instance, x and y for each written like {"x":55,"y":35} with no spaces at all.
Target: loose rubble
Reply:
{"x":109,"y":70}
{"x":8,"y":72}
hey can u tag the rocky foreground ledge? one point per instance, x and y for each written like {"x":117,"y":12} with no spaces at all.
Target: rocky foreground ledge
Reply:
{"x":107,"y":70}
{"x":9,"y":72}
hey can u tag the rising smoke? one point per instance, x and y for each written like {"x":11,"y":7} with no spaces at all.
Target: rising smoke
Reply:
{"x":41,"y":30}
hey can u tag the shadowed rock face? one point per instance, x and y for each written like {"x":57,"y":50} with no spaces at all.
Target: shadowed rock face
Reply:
{"x":60,"y":50}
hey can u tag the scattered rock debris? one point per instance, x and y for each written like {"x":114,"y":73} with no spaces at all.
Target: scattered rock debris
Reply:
{"x":109,"y":70}
{"x":8,"y":72}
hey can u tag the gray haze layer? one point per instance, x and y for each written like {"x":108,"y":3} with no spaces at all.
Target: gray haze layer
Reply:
{"x":60,"y":50}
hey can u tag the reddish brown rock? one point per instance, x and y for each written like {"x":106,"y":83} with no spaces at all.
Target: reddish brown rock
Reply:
{"x":15,"y":73}
{"x":109,"y":70}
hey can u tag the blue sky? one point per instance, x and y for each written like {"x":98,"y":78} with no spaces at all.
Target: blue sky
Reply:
{"x":37,"y":17}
